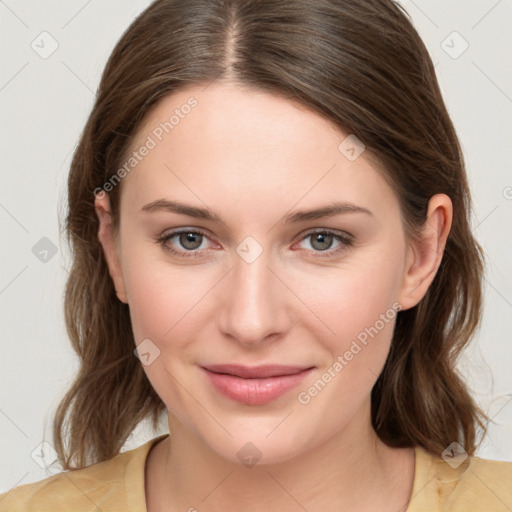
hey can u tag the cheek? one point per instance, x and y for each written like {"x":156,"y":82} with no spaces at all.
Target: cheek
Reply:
{"x":163,"y":299}
{"x":166,"y":308}
{"x":356,"y":311}
{"x":353,"y":359}
{"x":160,"y":294}
{"x":349,"y":298}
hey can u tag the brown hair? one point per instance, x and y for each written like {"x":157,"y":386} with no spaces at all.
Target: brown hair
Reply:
{"x":362,"y":65}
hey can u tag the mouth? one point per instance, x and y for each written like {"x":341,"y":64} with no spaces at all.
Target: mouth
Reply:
{"x":255,"y":385}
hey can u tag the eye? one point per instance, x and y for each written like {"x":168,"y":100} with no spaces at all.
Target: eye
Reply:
{"x":322,"y":241}
{"x":189,"y":239}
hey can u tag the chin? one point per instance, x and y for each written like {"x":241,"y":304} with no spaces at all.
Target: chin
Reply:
{"x":253,"y":445}
{"x":260,"y":452}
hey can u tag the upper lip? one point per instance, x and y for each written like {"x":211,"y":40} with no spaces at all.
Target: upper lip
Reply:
{"x":255,"y":372}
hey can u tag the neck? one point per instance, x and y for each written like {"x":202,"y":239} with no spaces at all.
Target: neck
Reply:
{"x":350,"y":470}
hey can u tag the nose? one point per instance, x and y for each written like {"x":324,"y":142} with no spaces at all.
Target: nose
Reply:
{"x":253,"y":303}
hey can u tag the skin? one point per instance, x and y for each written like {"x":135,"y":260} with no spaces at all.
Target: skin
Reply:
{"x":252,"y":158}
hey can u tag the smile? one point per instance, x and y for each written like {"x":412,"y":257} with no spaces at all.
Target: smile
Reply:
{"x":256,"y":385}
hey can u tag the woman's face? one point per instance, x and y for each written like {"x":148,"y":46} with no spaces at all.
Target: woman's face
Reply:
{"x":258,"y":287}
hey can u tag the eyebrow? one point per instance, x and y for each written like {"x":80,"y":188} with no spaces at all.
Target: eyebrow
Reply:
{"x":329,"y":210}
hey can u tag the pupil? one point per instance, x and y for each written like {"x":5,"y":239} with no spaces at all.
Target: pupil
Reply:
{"x":321,"y":238}
{"x":190,"y":238}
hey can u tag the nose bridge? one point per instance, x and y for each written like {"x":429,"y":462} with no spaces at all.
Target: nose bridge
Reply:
{"x":254,"y":306}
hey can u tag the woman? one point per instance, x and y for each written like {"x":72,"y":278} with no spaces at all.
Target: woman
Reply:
{"x":268,"y":206}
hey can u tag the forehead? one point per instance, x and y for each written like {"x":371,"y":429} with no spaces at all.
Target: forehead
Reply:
{"x":225,"y":141}
{"x":239,"y":117}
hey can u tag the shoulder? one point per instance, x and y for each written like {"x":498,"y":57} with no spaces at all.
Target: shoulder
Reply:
{"x":114,"y":484}
{"x":81,"y":488}
{"x":465,"y":484}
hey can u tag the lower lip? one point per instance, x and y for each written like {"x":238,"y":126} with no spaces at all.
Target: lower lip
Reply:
{"x":255,"y":391}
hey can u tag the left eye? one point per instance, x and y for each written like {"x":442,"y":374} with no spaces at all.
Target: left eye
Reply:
{"x":191,"y":241}
{"x":322,"y":241}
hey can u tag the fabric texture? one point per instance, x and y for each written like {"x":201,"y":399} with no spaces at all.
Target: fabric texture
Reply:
{"x":117,"y":485}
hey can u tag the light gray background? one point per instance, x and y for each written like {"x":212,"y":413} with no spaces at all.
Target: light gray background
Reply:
{"x":44,"y":104}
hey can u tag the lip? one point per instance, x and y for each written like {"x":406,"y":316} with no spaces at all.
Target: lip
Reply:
{"x":255,"y":385}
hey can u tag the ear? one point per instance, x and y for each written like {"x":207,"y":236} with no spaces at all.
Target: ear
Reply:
{"x":106,"y":236}
{"x":424,"y":256}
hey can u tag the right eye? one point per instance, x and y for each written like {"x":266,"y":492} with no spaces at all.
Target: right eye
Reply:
{"x":190,"y":241}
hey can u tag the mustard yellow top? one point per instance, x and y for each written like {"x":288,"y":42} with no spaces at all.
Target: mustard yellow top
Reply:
{"x":117,"y":485}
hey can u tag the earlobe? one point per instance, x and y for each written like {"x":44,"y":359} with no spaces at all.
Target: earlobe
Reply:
{"x":424,"y":256}
{"x":106,"y":236}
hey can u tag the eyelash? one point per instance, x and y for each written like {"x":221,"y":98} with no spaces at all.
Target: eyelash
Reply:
{"x":345,"y":239}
